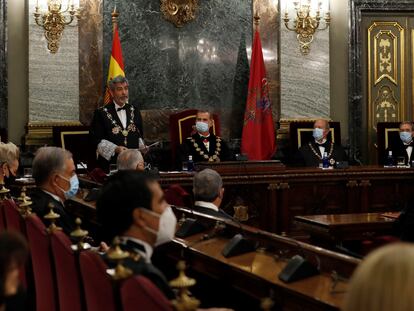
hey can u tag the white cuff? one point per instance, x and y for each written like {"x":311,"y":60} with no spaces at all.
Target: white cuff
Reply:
{"x":106,"y":149}
{"x":141,"y":144}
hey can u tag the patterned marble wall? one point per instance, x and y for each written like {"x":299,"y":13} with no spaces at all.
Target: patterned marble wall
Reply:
{"x":53,"y":78}
{"x":3,"y":64}
{"x":203,"y":64}
{"x":304,"y":80}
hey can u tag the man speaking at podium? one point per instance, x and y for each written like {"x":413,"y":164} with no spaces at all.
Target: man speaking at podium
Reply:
{"x":116,"y":126}
{"x":204,"y":146}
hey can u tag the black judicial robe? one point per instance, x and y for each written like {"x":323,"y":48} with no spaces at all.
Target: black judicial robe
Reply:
{"x":218,"y":150}
{"x":306,"y":154}
{"x":400,"y":150}
{"x":40,"y":204}
{"x":107,"y":125}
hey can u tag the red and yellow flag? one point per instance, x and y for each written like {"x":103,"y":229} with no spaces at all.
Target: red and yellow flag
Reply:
{"x":258,"y":138}
{"x":116,"y":63}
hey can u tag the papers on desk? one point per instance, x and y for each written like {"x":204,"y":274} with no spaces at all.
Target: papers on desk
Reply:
{"x":394,"y":215}
{"x":25,"y":180}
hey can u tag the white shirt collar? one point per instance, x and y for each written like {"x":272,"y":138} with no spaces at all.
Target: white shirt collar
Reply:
{"x":321,"y":143}
{"x":53,"y":196}
{"x":148,"y":248}
{"x":206,"y":205}
{"x":203,"y":135}
{"x":117,"y":106}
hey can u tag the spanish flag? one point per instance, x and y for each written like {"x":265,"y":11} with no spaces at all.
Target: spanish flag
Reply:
{"x":116,"y":63}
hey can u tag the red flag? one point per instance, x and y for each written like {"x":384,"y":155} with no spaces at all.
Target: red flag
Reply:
{"x":258,"y":138}
{"x":116,"y":63}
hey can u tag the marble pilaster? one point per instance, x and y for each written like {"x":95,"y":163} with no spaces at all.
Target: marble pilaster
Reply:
{"x":3,"y":64}
{"x":53,"y":78}
{"x":304,"y":79}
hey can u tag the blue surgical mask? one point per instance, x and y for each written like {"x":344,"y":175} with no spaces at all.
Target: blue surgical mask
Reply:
{"x":74,"y":186}
{"x":406,"y":137}
{"x":317,"y":133}
{"x":202,"y":127}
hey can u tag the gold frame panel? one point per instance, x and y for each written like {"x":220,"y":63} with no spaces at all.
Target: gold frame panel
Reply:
{"x":63,"y":134}
{"x":383,"y":76}
{"x":387,"y":130}
{"x":402,"y":94}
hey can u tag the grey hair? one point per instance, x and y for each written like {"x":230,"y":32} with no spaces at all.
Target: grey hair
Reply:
{"x":207,"y":185}
{"x":8,"y":153}
{"x":129,"y":159}
{"x":49,"y":160}
{"x":116,"y":80}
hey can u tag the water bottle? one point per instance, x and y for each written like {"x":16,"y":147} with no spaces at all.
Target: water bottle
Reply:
{"x":389,"y":161}
{"x":190,"y":164}
{"x":325,"y":160}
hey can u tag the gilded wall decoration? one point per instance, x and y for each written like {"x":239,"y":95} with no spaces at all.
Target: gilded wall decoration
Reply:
{"x":386,"y":106}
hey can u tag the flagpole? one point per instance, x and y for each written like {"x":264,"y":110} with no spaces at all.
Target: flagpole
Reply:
{"x":114,"y":15}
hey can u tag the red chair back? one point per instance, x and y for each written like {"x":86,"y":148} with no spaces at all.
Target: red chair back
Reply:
{"x":181,"y":127}
{"x":177,"y":195}
{"x":39,"y":243}
{"x":12,"y":216}
{"x":139,"y":291}
{"x":99,"y":292}
{"x":67,"y":273}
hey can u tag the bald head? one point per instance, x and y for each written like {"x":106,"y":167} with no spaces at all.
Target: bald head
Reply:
{"x":130,"y":159}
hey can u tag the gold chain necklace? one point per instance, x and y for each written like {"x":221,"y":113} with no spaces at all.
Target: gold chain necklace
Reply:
{"x":317,"y":153}
{"x":117,"y":129}
{"x":215,"y":156}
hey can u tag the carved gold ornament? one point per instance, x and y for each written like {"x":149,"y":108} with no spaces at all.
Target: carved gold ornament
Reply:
{"x":54,"y":21}
{"x":179,"y":12}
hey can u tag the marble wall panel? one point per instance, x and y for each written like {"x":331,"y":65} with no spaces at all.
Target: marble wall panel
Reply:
{"x":3,"y":64}
{"x":53,"y":78}
{"x":203,"y":64}
{"x":304,"y":79}
{"x":90,"y":58}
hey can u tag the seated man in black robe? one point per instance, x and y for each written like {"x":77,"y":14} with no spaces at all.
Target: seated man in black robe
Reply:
{"x":311,"y":154}
{"x":403,"y":147}
{"x":208,"y":193}
{"x":56,"y":181}
{"x":204,"y":146}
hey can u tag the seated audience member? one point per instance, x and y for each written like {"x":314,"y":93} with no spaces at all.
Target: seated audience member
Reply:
{"x":130,"y":159}
{"x":208,"y":193}
{"x":56,"y":181}
{"x":311,"y":154}
{"x":382,"y":282}
{"x":403,"y":147}
{"x":13,"y":255}
{"x":9,"y":162}
{"x":142,"y":220}
{"x":204,"y":146}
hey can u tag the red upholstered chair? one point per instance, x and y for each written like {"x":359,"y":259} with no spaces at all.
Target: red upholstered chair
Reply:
{"x":176,"y":195}
{"x":139,"y":291}
{"x":13,"y":219}
{"x":67,"y":273}
{"x":181,"y":127}
{"x":99,"y":292}
{"x":44,"y":279}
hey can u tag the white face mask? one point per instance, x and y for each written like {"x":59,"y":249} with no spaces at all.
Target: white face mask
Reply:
{"x":202,"y":127}
{"x":317,"y":133}
{"x":166,"y":227}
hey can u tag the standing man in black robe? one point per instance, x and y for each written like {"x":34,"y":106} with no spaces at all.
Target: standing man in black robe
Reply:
{"x":116,"y":126}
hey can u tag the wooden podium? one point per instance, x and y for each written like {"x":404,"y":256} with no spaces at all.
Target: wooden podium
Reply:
{"x":243,"y":167}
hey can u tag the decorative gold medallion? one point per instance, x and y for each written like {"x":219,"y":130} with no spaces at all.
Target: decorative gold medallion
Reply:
{"x":179,"y":12}
{"x":125,"y":132}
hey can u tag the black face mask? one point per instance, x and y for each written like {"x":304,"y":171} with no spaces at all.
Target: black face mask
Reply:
{"x":9,"y":180}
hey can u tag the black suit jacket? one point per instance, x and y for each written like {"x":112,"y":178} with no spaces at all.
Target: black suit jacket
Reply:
{"x":41,"y":200}
{"x":103,"y":128}
{"x":399,"y":150}
{"x":197,"y":147}
{"x":139,"y":266}
{"x":306,"y":157}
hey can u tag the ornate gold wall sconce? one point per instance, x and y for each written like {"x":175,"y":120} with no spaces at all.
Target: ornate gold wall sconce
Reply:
{"x":54,"y":21}
{"x":179,"y":12}
{"x":309,"y":16}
